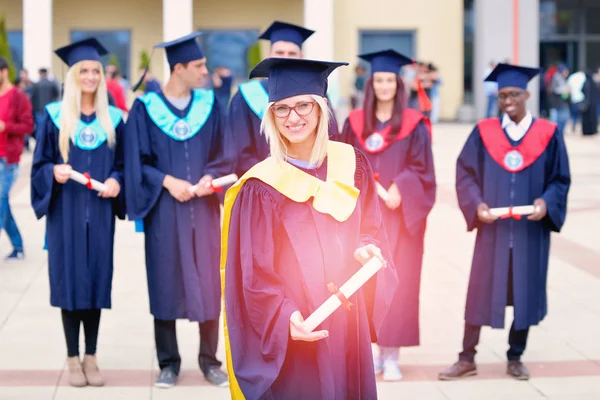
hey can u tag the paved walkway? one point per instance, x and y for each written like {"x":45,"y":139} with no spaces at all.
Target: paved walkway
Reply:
{"x":563,"y":352}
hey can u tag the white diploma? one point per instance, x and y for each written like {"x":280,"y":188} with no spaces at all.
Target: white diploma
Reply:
{"x":84,"y":180}
{"x":219,"y":182}
{"x":382,"y":192}
{"x":518,"y":210}
{"x":348,"y":289}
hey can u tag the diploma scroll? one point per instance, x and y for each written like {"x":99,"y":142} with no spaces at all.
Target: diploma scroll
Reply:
{"x":219,"y":182}
{"x":86,"y":180}
{"x":507,"y":212}
{"x":382,"y":192}
{"x":348,"y":289}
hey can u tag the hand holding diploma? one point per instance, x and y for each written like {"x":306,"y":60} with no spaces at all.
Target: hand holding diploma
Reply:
{"x":299,"y":332}
{"x":394,"y":197}
{"x":484,"y":214}
{"x":365,"y":253}
{"x":112,"y":189}
{"x":179,"y":189}
{"x":204,"y":186}
{"x":539,"y":210}
{"x":214,"y":184}
{"x":62,"y":173}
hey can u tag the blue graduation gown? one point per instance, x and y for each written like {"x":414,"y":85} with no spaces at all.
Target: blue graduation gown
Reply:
{"x":80,"y":225}
{"x":182,"y":240}
{"x":252,"y":146}
{"x":286,"y":268}
{"x":481,"y":179}
{"x":408,"y":163}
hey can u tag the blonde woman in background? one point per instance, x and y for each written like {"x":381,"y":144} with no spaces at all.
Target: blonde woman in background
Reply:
{"x":82,"y":133}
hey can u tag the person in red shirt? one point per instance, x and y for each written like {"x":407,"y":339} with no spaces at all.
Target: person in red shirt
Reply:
{"x":116,"y":90}
{"x":16,"y":121}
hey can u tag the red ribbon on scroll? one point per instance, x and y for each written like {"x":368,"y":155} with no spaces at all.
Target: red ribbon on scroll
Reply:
{"x":333,"y":289}
{"x":89,"y":181}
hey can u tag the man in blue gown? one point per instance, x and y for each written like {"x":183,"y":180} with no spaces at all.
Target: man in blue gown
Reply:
{"x":175,"y":140}
{"x":513,"y":161}
{"x":250,"y":102}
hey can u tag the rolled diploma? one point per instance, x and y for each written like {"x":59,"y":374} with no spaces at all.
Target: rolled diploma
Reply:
{"x":219,"y":182}
{"x":348,"y":289}
{"x":78,"y":177}
{"x":382,"y":192}
{"x":518,"y":210}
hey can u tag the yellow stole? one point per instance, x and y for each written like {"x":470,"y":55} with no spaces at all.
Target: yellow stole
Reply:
{"x":337,"y":197}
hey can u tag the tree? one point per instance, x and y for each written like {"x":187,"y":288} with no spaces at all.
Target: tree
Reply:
{"x":254,"y":56}
{"x":144,"y":60}
{"x":5,"y":49}
{"x":113,"y":60}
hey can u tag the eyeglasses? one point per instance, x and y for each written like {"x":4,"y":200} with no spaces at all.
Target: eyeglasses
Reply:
{"x":302,"y":109}
{"x":510,"y":95}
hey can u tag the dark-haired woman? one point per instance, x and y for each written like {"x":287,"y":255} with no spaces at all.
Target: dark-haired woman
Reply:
{"x":398,"y":145}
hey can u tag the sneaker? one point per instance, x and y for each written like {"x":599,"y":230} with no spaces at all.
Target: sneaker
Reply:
{"x":166,"y":379}
{"x":15,"y":255}
{"x":217,"y":377}
{"x":391,"y":371}
{"x":378,"y":363}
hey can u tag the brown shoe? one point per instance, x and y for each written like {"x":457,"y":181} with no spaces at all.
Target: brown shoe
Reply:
{"x":91,"y":371}
{"x":460,"y":369}
{"x":76,"y":376}
{"x":517,"y":370}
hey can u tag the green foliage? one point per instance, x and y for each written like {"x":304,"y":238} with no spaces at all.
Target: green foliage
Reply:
{"x":254,"y":55}
{"x":5,"y":49}
{"x":113,"y":60}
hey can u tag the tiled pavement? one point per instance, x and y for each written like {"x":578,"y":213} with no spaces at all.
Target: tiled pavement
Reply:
{"x":563,"y":352}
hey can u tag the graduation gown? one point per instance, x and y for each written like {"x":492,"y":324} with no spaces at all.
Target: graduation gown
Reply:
{"x":246,"y":110}
{"x":407,"y":161}
{"x":493,"y":169}
{"x":589,"y":111}
{"x":80,"y":225}
{"x":182,"y":240}
{"x":279,"y":253}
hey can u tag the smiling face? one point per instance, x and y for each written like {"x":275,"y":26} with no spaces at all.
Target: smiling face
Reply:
{"x":385,"y":86}
{"x":89,"y":76}
{"x":297,"y":118}
{"x":512,"y":101}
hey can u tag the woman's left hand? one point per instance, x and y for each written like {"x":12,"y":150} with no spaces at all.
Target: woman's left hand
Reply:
{"x":112,"y":189}
{"x":365,"y":253}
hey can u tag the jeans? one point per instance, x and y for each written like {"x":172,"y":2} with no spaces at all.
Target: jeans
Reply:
{"x":560,"y":117}
{"x":8,"y":176}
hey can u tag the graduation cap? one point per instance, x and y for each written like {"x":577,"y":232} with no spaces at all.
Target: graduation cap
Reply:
{"x":507,"y":75}
{"x":386,"y":61}
{"x":179,"y":51}
{"x":284,"y":32}
{"x":293,"y":77}
{"x":86,"y":49}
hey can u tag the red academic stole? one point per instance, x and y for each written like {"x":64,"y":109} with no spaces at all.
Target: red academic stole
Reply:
{"x":378,"y":141}
{"x":515,"y":159}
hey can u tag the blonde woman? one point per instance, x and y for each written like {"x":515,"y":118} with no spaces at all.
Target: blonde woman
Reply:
{"x":82,"y":133}
{"x":305,"y":217}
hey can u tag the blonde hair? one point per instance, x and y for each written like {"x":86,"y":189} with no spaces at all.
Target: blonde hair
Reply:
{"x":279,"y":144}
{"x":70,"y":110}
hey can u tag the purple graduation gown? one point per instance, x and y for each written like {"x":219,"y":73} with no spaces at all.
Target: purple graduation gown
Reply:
{"x":182,"y":240}
{"x":408,"y":163}
{"x":80,"y":226}
{"x":281,"y":256}
{"x":481,"y":179}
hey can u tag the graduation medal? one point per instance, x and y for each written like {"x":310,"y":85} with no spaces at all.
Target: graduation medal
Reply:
{"x":87,"y":136}
{"x":374,"y":142}
{"x":513,"y":160}
{"x":181,"y":129}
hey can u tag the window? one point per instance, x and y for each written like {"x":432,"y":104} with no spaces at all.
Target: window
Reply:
{"x":229,"y":48}
{"x":401,"y":41}
{"x":116,"y":42}
{"x":15,"y":42}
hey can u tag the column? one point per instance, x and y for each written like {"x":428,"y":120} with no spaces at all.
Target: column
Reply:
{"x":178,"y":18}
{"x":494,"y":40}
{"x":37,"y":36}
{"x":318,"y":15}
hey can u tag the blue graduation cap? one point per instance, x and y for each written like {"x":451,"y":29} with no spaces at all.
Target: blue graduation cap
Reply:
{"x":183,"y":49}
{"x":284,"y":32}
{"x":86,"y":49}
{"x":293,"y":77}
{"x":386,"y":61}
{"x":507,"y":75}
